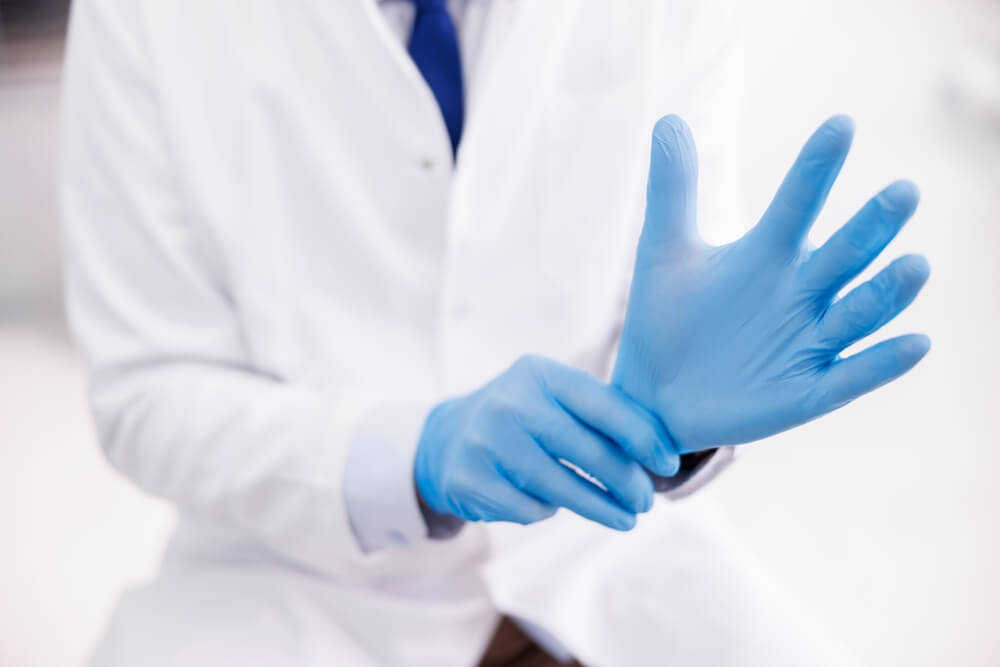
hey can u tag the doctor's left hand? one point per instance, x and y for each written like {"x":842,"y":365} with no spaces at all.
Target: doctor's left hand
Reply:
{"x":496,"y":454}
{"x":734,"y":343}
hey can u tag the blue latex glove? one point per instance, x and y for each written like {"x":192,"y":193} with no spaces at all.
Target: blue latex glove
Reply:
{"x":494,"y":455}
{"x":734,"y":343}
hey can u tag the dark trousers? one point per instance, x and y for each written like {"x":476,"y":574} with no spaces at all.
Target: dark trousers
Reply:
{"x":512,"y":648}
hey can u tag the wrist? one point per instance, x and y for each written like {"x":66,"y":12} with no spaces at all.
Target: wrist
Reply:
{"x":440,"y":525}
{"x":628,"y":374}
{"x":425,"y":472}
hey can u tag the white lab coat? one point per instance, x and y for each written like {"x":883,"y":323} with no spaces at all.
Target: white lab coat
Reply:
{"x":267,"y":244}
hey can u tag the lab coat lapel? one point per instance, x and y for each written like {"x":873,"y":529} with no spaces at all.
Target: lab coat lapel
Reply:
{"x":390,"y":63}
{"x":517,"y":42}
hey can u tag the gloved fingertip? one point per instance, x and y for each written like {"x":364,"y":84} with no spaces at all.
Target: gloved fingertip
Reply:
{"x":831,"y":140}
{"x":917,"y":345}
{"x":673,"y":135}
{"x":669,"y":463}
{"x":842,"y":124}
{"x":624,"y":522}
{"x":916,"y":269}
{"x":659,"y":466}
{"x":638,"y":496}
{"x":918,"y":263}
{"x":900,"y":197}
{"x":647,"y":499}
{"x":668,"y":127}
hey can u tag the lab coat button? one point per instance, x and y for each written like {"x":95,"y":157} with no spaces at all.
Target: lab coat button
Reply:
{"x":427,"y":164}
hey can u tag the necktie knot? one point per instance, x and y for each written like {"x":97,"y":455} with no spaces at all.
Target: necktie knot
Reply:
{"x":429,"y":5}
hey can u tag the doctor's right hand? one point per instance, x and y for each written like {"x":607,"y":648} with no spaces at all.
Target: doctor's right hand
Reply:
{"x":498,"y":453}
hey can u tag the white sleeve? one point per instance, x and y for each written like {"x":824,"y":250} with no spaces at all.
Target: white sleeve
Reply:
{"x":178,"y":407}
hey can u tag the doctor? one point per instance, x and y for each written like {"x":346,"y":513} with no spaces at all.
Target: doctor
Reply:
{"x":347,"y":274}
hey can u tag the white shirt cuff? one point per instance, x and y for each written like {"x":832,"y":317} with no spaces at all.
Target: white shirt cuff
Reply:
{"x":379,"y":488}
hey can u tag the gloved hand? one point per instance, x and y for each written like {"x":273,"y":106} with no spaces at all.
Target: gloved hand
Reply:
{"x":734,"y":343}
{"x":494,"y":454}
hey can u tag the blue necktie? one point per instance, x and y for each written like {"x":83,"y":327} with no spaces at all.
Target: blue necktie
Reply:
{"x":434,"y":49}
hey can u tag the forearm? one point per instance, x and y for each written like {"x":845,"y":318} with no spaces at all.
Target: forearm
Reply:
{"x":235,"y":446}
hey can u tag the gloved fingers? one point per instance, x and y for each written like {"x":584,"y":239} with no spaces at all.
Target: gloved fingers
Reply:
{"x":565,"y":438}
{"x":536,"y":473}
{"x":869,"y":306}
{"x":670,"y":225}
{"x":855,"y":245}
{"x":868,"y":370}
{"x":803,"y":192}
{"x":620,"y":419}
{"x":499,"y":500}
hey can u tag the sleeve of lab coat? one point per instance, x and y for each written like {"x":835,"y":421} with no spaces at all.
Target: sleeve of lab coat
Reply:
{"x":178,"y":407}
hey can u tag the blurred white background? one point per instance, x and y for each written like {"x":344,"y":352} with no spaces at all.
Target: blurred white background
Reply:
{"x":882,"y":518}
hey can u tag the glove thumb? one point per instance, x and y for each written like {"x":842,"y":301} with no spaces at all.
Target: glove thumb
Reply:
{"x":670,"y":226}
